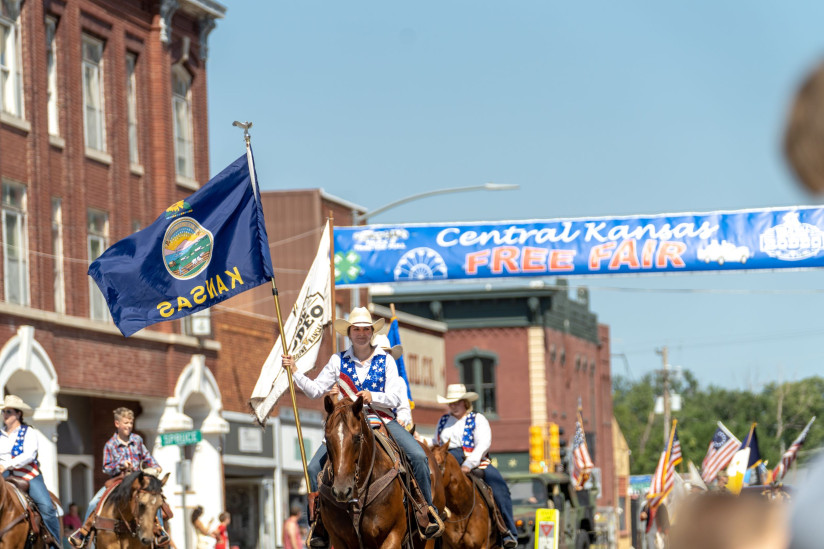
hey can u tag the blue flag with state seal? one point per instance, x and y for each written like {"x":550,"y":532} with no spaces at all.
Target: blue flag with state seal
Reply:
{"x":202,"y":250}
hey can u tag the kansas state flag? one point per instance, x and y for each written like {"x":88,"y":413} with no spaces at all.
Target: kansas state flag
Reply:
{"x":199,"y":252}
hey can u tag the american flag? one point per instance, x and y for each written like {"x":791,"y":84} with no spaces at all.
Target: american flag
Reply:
{"x":792,"y":452}
{"x":719,"y":454}
{"x":664,"y":478}
{"x":581,"y":462}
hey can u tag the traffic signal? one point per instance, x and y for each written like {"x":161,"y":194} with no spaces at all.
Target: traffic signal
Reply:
{"x":536,"y":449}
{"x":554,"y":445}
{"x":563,"y":453}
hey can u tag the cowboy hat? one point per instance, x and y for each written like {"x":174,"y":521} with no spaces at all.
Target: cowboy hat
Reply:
{"x":383,"y":342}
{"x":16,"y":403}
{"x":360,"y":316}
{"x":456,"y":392}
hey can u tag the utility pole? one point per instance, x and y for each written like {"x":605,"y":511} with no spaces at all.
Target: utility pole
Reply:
{"x":665,"y":377}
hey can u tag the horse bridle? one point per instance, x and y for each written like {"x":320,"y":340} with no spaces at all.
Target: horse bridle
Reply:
{"x":442,"y":467}
{"x":133,"y":508}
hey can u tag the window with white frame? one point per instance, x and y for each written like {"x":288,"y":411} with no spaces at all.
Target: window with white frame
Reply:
{"x":15,"y":249}
{"x":182,"y":114}
{"x":11,"y":76}
{"x":98,"y":242}
{"x":94,"y":118}
{"x":51,"y":73}
{"x":131,"y":106}
{"x":57,"y":252}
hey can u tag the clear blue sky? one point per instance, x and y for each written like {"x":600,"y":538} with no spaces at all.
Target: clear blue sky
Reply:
{"x":606,"y":108}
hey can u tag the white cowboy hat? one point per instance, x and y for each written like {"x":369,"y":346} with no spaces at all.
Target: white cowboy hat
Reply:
{"x":456,"y":392}
{"x":16,"y":403}
{"x":383,"y":342}
{"x":360,"y":316}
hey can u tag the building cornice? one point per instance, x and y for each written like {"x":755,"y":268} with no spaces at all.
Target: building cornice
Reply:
{"x":87,"y":324}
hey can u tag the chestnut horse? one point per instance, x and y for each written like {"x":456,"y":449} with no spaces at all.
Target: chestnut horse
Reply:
{"x":467,"y":524}
{"x":127,"y":518}
{"x":15,"y":528}
{"x":359,"y":472}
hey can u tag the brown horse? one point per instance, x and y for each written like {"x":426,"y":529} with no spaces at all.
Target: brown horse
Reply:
{"x":467,"y":524}
{"x":364,"y":504}
{"x":127,"y":518}
{"x":15,"y":527}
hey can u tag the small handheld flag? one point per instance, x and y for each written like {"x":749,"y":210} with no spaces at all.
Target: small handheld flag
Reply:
{"x":581,"y":461}
{"x":394,"y":335}
{"x":199,"y":252}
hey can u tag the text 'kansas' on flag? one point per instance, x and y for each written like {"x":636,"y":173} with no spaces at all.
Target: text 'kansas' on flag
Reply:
{"x":202,"y":250}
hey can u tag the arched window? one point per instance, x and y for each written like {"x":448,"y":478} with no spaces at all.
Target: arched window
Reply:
{"x":477,"y":372}
{"x":182,"y":114}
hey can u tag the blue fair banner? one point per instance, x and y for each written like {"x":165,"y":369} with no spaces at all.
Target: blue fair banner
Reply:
{"x":199,"y":252}
{"x":777,"y":238}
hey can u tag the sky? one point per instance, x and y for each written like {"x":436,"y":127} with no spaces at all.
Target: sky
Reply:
{"x":593,"y":109}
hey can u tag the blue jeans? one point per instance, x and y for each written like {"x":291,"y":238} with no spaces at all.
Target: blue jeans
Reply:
{"x":40,"y":494}
{"x":500,"y":491}
{"x":414,"y":452}
{"x":93,"y":503}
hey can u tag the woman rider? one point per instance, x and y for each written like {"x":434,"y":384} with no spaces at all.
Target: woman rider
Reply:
{"x":18,"y":457}
{"x":375,"y":376}
{"x":469,"y":437}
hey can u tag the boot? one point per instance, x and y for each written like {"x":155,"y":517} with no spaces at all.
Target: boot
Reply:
{"x":429,"y":522}
{"x":509,"y":540}
{"x":317,"y":534}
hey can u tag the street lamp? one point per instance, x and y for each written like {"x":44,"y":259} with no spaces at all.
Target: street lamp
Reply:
{"x":358,"y":217}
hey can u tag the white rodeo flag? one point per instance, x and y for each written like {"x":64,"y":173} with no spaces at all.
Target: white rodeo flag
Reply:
{"x":303,"y":330}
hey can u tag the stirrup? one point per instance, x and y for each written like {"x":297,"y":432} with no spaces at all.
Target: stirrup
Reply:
{"x":162,"y":538}
{"x":317,"y":536}
{"x":435,"y":527}
{"x":78,"y":539}
{"x":509,"y":540}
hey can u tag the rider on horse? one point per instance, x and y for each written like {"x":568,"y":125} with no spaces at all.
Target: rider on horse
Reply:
{"x":123,"y":453}
{"x":18,"y":457}
{"x":469,"y":437}
{"x":375,"y":376}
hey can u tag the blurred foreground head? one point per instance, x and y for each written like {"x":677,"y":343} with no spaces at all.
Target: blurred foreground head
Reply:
{"x":720,"y":520}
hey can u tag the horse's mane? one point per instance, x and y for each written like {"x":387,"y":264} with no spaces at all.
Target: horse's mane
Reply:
{"x":123,"y":493}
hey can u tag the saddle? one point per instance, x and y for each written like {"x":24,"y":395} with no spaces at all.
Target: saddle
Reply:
{"x":489,"y":499}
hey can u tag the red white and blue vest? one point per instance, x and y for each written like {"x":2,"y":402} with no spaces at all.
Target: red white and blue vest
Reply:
{"x":375,"y":382}
{"x":468,"y":438}
{"x":30,"y":470}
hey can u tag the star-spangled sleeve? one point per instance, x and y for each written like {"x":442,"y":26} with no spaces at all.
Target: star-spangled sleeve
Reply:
{"x":483,"y":440}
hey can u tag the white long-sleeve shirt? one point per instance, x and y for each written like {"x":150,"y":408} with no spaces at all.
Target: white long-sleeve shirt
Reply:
{"x":28,"y":454}
{"x":384,"y":401}
{"x":453,"y":431}
{"x":403,"y":413}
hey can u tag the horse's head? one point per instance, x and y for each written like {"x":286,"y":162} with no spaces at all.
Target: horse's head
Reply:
{"x":443,"y":458}
{"x":346,"y":429}
{"x":140,"y":495}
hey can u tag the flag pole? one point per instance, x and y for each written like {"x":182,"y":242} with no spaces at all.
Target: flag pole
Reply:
{"x":334,"y":312}
{"x":245,"y":127}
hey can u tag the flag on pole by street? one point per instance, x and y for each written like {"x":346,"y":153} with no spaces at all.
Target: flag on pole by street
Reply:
{"x":791,"y":454}
{"x":719,"y":454}
{"x":394,"y":335}
{"x":664,"y":478}
{"x":581,"y":461}
{"x":303,"y":332}
{"x":202,"y":250}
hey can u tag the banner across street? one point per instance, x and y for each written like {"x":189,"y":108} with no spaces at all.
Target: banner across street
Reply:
{"x":777,"y":238}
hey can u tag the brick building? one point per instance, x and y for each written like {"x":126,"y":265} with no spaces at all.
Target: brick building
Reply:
{"x":531,"y":353}
{"x":103,"y":124}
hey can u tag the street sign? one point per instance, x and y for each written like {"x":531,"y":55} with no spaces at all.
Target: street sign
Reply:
{"x":546,"y":529}
{"x":180,"y":438}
